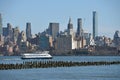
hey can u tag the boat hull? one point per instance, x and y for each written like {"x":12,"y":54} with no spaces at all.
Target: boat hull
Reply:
{"x":38,"y":55}
{"x":37,"y":58}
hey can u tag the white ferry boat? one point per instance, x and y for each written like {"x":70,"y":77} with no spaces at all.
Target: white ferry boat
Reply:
{"x":37,"y":55}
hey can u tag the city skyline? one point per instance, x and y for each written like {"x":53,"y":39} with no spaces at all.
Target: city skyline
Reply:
{"x":41,"y":12}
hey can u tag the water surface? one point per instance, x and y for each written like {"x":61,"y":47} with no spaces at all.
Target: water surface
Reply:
{"x":109,"y":72}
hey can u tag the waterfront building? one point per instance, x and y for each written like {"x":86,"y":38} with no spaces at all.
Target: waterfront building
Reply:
{"x":103,"y":41}
{"x":99,"y":41}
{"x":1,"y":31}
{"x":95,"y":24}
{"x":63,"y":42}
{"x":45,"y":42}
{"x":24,"y":46}
{"x":54,"y":29}
{"x":28,"y":30}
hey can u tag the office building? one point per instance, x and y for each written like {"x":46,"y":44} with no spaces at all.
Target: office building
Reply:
{"x":65,"y":42}
{"x":95,"y":24}
{"x":54,"y":29}
{"x":16,"y":33}
{"x":10,"y":31}
{"x":45,"y":42}
{"x":28,"y":30}
{"x":5,"y":31}
{"x":117,"y":38}
{"x":70,"y":25}
{"x":79,"y":27}
{"x":70,"y":28}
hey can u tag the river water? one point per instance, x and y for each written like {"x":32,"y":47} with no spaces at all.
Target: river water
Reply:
{"x":104,"y":72}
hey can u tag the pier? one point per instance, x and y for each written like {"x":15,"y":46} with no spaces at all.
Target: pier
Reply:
{"x":52,"y":64}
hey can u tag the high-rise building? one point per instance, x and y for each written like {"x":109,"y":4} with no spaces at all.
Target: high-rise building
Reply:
{"x":70,"y":28}
{"x":54,"y":29}
{"x":28,"y":30}
{"x":95,"y":24}
{"x":70,"y":25}
{"x":44,"y":42}
{"x":117,"y":38}
{"x":16,"y":33}
{"x":79,"y":28}
{"x":10,"y":31}
{"x":65,"y":42}
{"x":0,"y":24}
{"x":5,"y":31}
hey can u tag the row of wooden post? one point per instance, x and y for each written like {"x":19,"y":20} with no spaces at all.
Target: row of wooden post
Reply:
{"x":49,"y":64}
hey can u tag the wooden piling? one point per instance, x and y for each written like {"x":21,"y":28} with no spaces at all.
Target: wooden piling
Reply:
{"x":49,"y":64}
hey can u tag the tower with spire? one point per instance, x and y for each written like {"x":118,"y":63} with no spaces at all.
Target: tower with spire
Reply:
{"x":70,"y":28}
{"x":70,"y":25}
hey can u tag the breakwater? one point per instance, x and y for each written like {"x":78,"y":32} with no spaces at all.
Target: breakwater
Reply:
{"x":49,"y":64}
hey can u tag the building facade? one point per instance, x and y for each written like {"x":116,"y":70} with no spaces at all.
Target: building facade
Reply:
{"x":63,"y":42}
{"x":70,"y":27}
{"x":28,"y":30}
{"x":54,"y":29}
{"x":16,"y":33}
{"x":95,"y":24}
{"x":117,"y":39}
{"x":79,"y":27}
{"x":44,"y":42}
{"x":10,"y":31}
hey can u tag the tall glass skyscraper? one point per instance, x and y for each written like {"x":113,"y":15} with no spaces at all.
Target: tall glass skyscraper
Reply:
{"x":0,"y":24}
{"x":79,"y":28}
{"x":95,"y":24}
{"x":28,"y":30}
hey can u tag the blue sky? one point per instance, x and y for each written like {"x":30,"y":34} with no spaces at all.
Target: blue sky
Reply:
{"x":41,"y":12}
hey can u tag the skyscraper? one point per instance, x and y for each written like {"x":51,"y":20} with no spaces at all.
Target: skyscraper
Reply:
{"x":95,"y":24}
{"x":70,"y":25}
{"x":54,"y":29}
{"x":79,"y":28}
{"x":28,"y":30}
{"x":0,"y":24}
{"x":10,"y":31}
{"x":16,"y":33}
